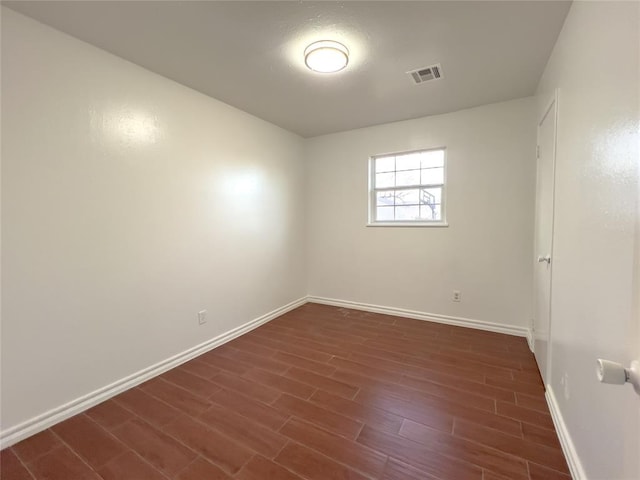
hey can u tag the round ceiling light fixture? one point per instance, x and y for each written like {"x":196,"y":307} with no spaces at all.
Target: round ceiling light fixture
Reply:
{"x":326,"y":56}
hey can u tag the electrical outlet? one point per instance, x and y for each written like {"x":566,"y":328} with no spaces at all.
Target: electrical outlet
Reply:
{"x":202,"y":317}
{"x":457,"y":296}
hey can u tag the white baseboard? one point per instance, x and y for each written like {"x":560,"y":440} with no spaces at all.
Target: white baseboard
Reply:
{"x":573,"y":460}
{"x":430,"y":317}
{"x":34,"y":425}
{"x":530,"y":340}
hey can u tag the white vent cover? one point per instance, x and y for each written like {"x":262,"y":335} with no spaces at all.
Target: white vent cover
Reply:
{"x":426,"y":74}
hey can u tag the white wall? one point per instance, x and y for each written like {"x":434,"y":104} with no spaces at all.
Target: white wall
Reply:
{"x":595,"y":66}
{"x":129,"y":203}
{"x":486,"y":252}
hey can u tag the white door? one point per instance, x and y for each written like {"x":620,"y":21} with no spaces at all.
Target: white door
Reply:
{"x":544,"y":236}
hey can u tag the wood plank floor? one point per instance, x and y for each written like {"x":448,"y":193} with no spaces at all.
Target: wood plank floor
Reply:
{"x":320,"y":393}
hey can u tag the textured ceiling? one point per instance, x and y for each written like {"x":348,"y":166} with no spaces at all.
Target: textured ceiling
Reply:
{"x":249,"y":54}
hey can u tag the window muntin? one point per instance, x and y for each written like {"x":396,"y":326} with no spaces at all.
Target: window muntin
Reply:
{"x":408,"y":188}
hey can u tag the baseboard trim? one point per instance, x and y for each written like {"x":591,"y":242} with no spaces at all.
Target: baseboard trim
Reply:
{"x":530,"y":340}
{"x":32,"y":426}
{"x":573,"y":460}
{"x":429,"y":317}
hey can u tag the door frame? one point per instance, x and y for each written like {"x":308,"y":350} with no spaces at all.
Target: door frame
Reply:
{"x":552,"y":100}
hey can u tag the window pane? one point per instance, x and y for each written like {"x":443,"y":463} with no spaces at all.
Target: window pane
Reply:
{"x":408,"y":177}
{"x":432,"y":175}
{"x":407,"y":197}
{"x":431,"y":195}
{"x":437,"y":214}
{"x":433,"y":158}
{"x":384,"y":214}
{"x":385,"y":164}
{"x":400,"y":183}
{"x":408,"y":161}
{"x":385,"y":198}
{"x":384,"y":180}
{"x":408,"y":213}
{"x":430,"y":212}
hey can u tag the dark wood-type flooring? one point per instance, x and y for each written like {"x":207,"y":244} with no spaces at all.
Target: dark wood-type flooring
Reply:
{"x":321,"y":393}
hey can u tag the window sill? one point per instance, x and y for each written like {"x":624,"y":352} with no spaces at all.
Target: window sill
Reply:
{"x":408,"y":224}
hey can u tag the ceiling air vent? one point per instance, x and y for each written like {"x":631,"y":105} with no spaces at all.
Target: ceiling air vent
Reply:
{"x":426,"y":74}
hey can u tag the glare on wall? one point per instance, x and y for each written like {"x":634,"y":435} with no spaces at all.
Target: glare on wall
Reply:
{"x":131,"y":127}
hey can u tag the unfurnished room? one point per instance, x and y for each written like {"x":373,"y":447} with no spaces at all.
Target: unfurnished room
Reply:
{"x":320,"y":240}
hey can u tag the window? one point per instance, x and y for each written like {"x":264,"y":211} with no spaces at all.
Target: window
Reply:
{"x":408,"y":188}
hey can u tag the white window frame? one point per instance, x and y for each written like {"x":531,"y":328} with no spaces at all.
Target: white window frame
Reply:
{"x":372,"y":222}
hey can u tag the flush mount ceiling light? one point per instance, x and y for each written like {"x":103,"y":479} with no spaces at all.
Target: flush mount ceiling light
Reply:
{"x":326,"y":56}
